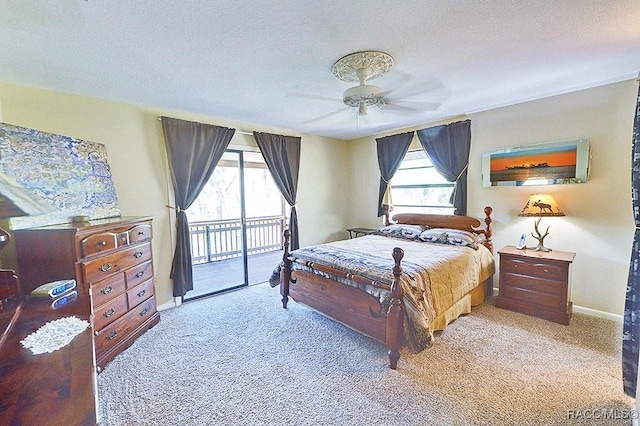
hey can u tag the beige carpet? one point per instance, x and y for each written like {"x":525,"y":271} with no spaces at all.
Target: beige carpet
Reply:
{"x":239,"y":358}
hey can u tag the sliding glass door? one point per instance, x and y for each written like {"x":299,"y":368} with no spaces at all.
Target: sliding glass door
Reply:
{"x":236,"y":226}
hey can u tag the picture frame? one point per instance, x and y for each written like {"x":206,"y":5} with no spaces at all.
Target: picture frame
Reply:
{"x":550,"y":163}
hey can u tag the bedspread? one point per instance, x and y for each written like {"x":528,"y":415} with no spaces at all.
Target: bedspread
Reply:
{"x":434,"y":277}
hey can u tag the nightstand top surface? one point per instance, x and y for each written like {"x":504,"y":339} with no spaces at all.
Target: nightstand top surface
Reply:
{"x":562,"y":256}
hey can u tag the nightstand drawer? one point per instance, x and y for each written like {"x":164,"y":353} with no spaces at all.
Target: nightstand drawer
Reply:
{"x":533,"y":284}
{"x":535,"y":268}
{"x":532,"y":297}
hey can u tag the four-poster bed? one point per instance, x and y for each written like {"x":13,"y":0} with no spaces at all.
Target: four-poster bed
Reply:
{"x":397,"y":302}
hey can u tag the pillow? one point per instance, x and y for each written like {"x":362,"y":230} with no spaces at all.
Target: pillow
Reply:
{"x":456,"y":237}
{"x":410,"y":232}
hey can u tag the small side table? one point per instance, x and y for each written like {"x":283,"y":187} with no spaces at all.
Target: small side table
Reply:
{"x":357,"y":232}
{"x":536,"y":283}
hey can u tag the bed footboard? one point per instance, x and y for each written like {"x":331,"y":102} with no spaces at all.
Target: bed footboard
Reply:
{"x":348,"y":305}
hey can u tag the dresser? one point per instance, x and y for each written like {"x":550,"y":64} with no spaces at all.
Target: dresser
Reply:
{"x":111,"y":261}
{"x":536,"y":283}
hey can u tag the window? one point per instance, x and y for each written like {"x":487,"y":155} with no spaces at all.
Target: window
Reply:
{"x":417,"y":187}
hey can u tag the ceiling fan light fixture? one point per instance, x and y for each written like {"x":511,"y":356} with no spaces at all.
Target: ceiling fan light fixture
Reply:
{"x":366,"y":94}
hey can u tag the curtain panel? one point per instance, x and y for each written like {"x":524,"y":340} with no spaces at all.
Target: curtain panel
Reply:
{"x":391,"y":152}
{"x":193,"y":151}
{"x":630,"y":332}
{"x":282,"y":155}
{"x":448,"y":147}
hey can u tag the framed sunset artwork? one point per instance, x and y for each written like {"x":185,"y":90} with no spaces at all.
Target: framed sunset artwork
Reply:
{"x":540,"y":164}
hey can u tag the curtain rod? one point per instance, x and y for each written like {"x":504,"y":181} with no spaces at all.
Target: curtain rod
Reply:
{"x":237,"y":131}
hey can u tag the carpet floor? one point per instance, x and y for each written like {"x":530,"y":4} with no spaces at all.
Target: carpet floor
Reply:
{"x":239,"y":358}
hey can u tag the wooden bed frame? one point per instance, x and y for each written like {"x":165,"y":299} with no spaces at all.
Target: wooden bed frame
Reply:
{"x":357,"y":309}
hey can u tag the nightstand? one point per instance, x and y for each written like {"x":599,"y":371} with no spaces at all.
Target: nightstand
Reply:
{"x":356,"y":232}
{"x":536,"y":283}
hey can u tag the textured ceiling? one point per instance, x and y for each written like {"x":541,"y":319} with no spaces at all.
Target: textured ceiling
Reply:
{"x":269,"y":63}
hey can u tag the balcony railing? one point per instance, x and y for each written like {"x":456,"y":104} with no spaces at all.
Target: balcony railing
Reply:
{"x":222,"y":239}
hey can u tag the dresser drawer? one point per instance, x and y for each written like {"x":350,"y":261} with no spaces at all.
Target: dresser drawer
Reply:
{"x":104,"y":266}
{"x":140,"y":233}
{"x":104,"y":315}
{"x":533,"y":267}
{"x":138,"y":274}
{"x":532,"y":297}
{"x":107,"y":289}
{"x":139,"y":294}
{"x":533,"y":284}
{"x":118,"y":330}
{"x":98,"y":243}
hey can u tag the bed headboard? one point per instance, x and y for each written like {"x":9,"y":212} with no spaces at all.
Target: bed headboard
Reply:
{"x":465,"y":223}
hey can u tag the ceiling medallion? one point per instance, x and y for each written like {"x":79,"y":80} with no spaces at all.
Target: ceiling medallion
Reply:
{"x":347,"y":67}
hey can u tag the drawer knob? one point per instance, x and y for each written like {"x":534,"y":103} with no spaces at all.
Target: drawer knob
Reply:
{"x":140,"y":232}
{"x":112,"y":335}
{"x":144,"y":312}
{"x":102,"y":243}
{"x":529,"y":284}
{"x":137,"y":254}
{"x":515,"y":266}
{"x":140,"y":274}
{"x":109,"y":313}
{"x":106,"y":267}
{"x":142,"y":293}
{"x":107,"y":290}
{"x":546,"y":270}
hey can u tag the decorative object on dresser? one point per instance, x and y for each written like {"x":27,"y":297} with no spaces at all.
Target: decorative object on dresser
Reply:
{"x":111,"y":260}
{"x":536,"y":283}
{"x":541,"y":205}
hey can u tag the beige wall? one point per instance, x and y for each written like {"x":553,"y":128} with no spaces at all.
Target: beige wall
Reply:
{"x":136,"y":154}
{"x":339,"y":180}
{"x":599,"y":223}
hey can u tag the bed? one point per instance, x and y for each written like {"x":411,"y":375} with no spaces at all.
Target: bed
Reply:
{"x":399,"y":285}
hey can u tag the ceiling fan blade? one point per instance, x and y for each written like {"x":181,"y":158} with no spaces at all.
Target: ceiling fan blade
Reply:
{"x":417,"y":105}
{"x":415,"y":89}
{"x":314,"y":97}
{"x":323,"y":117}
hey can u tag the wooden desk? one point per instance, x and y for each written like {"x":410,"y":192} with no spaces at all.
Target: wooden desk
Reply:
{"x":57,"y":388}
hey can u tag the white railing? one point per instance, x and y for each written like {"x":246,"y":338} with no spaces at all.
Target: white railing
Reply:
{"x":215,"y":240}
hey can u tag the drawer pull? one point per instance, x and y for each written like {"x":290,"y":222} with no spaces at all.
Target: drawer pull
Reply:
{"x":106,"y":267}
{"x":112,"y":335}
{"x":109,"y":313}
{"x":142,"y":293}
{"x":530,"y":297}
{"x":144,"y":312}
{"x":102,"y":243}
{"x":141,"y":232}
{"x":516,"y":266}
{"x":546,"y":270}
{"x":106,"y":290}
{"x":140,"y":274}
{"x":529,"y":284}
{"x":137,"y":254}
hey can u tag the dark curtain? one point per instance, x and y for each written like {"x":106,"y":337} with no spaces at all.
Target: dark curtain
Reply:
{"x":282,"y":155}
{"x":193,"y":151}
{"x":391,"y":152}
{"x":448,"y":148}
{"x":630,"y":337}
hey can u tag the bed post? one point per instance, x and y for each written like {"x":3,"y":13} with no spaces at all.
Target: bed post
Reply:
{"x":488,"y":232}
{"x":387,"y":220}
{"x":286,"y":270}
{"x":395,"y":315}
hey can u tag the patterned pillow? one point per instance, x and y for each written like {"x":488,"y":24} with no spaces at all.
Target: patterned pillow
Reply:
{"x":454,"y":237}
{"x":410,"y":232}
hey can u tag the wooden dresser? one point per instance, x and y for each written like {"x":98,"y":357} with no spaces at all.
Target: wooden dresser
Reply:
{"x":111,"y":260}
{"x":536,"y":283}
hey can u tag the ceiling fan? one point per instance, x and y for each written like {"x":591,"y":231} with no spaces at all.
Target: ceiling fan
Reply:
{"x":362,"y":67}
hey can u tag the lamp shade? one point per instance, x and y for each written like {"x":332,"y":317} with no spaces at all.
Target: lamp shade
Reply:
{"x":541,"y":205}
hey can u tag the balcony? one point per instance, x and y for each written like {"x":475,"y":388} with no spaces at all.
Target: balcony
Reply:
{"x":216,"y":250}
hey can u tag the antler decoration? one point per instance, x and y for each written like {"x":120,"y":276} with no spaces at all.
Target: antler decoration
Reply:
{"x":539,"y":236}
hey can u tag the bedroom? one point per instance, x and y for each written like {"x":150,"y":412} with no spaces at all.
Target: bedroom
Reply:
{"x":598,"y":226}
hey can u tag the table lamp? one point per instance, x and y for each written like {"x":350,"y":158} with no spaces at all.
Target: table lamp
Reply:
{"x":15,"y":201}
{"x":541,"y":205}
